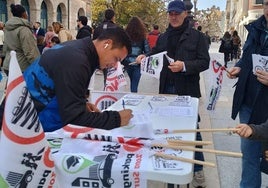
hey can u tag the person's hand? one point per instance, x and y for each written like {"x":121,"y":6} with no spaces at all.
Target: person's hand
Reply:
{"x":92,"y":108}
{"x":176,"y":66}
{"x":125,"y":116}
{"x":139,"y":58}
{"x":233,"y":72}
{"x":243,"y":130}
{"x":262,"y":76}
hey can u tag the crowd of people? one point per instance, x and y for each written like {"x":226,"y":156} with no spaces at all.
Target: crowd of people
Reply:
{"x":49,"y":57}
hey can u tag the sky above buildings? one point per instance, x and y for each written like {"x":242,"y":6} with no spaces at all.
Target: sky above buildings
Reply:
{"x":204,"y":4}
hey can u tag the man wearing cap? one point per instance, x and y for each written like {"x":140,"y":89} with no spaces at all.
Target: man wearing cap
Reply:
{"x":188,"y":48}
{"x":83,"y":29}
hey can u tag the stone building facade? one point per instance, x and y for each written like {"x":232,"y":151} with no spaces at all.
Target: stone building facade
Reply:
{"x":48,"y":11}
{"x":240,"y":13}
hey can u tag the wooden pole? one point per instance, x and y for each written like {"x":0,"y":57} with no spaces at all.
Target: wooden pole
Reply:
{"x":166,"y":131}
{"x":186,"y":142}
{"x":227,"y":153}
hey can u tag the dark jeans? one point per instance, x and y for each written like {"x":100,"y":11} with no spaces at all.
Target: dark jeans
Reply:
{"x":227,"y":57}
{"x":134,"y":76}
{"x":251,"y":160}
{"x":235,"y":51}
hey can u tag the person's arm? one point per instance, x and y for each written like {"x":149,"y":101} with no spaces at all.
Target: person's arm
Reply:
{"x":71,"y":83}
{"x":252,"y":131}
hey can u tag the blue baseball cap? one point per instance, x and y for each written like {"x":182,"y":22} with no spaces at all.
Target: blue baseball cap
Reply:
{"x":176,"y":6}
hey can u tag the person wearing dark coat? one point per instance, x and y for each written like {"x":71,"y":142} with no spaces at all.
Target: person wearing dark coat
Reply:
{"x":188,"y":48}
{"x":108,"y":22}
{"x":38,"y":31}
{"x":251,"y":98}
{"x":60,"y":103}
{"x":83,"y":29}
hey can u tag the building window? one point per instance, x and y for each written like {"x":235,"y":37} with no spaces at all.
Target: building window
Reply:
{"x":259,"y":2}
{"x":43,"y":15}
{"x":3,"y":10}
{"x":59,"y":14}
{"x":25,"y":4}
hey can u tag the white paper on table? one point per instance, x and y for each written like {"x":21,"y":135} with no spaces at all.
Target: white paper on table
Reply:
{"x":173,"y":111}
{"x":139,"y":126}
{"x":134,"y":96}
{"x":259,"y":63}
{"x":182,"y":101}
{"x":132,"y":102}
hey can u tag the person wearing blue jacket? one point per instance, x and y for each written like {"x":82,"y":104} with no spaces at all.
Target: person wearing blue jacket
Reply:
{"x":251,"y":97}
{"x":58,"y":81}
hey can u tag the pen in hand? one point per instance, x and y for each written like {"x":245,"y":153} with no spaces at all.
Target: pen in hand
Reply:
{"x":151,"y":107}
{"x":123,"y":104}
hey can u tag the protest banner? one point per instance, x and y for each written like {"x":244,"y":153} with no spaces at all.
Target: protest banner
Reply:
{"x":216,"y":72}
{"x":104,"y":99}
{"x":152,"y":65}
{"x":115,"y":78}
{"x":26,"y":160}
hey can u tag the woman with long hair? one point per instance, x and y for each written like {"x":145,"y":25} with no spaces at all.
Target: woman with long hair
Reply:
{"x":137,"y":33}
{"x":236,"y":45}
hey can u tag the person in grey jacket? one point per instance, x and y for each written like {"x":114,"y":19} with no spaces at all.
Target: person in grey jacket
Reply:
{"x":19,"y":37}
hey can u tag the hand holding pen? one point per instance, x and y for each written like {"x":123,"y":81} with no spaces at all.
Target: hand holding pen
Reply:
{"x":125,"y":115}
{"x":151,"y":107}
{"x":123,"y":104}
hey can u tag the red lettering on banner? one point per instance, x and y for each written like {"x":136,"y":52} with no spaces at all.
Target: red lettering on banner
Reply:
{"x":112,"y":84}
{"x":76,"y":131}
{"x":136,"y":176}
{"x":138,"y":161}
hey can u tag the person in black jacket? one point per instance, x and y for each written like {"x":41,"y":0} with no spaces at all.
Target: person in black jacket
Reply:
{"x":188,"y":48}
{"x":108,"y":22}
{"x":38,"y":31}
{"x":84,"y":29}
{"x":58,"y":81}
